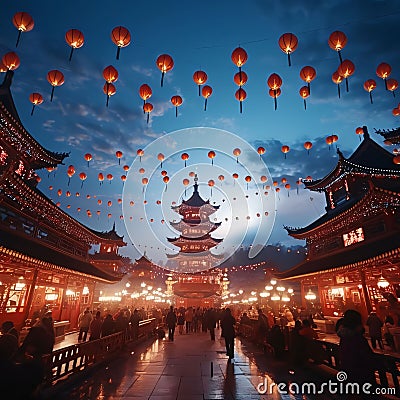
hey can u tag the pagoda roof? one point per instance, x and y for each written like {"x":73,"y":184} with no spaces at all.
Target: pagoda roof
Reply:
{"x":194,"y":223}
{"x":110,"y":235}
{"x":392,"y":135}
{"x":144,"y":262}
{"x":195,"y":200}
{"x":39,"y":156}
{"x":185,"y":239}
{"x":48,"y":255}
{"x":349,"y":257}
{"x":369,"y":158}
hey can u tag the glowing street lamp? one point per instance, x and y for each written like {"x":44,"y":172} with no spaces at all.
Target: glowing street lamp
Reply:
{"x":382,"y":283}
{"x":310,"y":296}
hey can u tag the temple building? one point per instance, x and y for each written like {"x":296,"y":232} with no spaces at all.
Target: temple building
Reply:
{"x":195,"y":275}
{"x":45,"y":263}
{"x":353,"y":254}
{"x":391,"y":136}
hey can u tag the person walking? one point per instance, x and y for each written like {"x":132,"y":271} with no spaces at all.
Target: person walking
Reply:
{"x":181,"y":322}
{"x":211,"y":321}
{"x":228,"y":332}
{"x":189,"y":319}
{"x":375,"y":325}
{"x":84,"y":321}
{"x":171,"y":323}
{"x":134,"y":321}
{"x":95,"y":327}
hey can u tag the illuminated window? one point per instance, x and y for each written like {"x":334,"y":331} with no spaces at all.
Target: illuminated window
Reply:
{"x":352,"y":237}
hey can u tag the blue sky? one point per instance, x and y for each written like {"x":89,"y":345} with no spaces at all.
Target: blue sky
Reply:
{"x":199,"y":35}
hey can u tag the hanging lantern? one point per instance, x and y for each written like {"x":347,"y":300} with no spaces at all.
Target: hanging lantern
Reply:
{"x":185,"y":157}
{"x":99,"y":202}
{"x":261,"y":151}
{"x":248,"y":180}
{"x":109,"y":90}
{"x":235,"y":176}
{"x":160,"y":158}
{"x":100,"y":177}
{"x":240,"y":78}
{"x":55,"y":78}
{"x":123,"y":179}
{"x":211,"y":155}
{"x":125,"y":168}
{"x":75,"y":39}
{"x":396,"y":160}
{"x":109,"y":203}
{"x":176,"y":101}
{"x":240,"y":96}
{"x":329,"y":141}
{"x":164,"y":63}
{"x":70,"y":173}
{"x":120,"y":37}
{"x":369,"y":86}
{"x":359,"y":131}
{"x":206,"y":92}
{"x":346,"y":69}
{"x":35,"y":99}
{"x":221,"y":178}
{"x":304,"y":93}
{"x":308,"y":146}
{"x":88,"y":157}
{"x":142,"y":170}
{"x":285,"y":149}
{"x":396,"y":112}
{"x":337,"y":79}
{"x":23,"y":22}
{"x":110,"y":177}
{"x":308,"y":74}
{"x":211,"y":183}
{"x":3,"y":68}
{"x":288,"y":43}
{"x":263,"y":178}
{"x":236,"y":152}
{"x":164,"y":173}
{"x":200,"y":78}
{"x":82,"y":177}
{"x":147,"y":108}
{"x":337,"y":41}
{"x":383,"y":71}
{"x":145,"y":93}
{"x":274,"y":82}
{"x":110,"y":74}
{"x":239,"y":57}
{"x":140,"y":154}
{"x":118,"y":154}
{"x":392,"y":85}
{"x":166,"y":180}
{"x":11,"y":60}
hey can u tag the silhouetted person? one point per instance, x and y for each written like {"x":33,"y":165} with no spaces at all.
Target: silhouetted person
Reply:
{"x":211,"y":321}
{"x":297,"y":345}
{"x":8,"y":327}
{"x":375,"y":324}
{"x":108,"y":327}
{"x":40,"y":339}
{"x":95,"y":327}
{"x":171,"y":323}
{"x":84,"y":321}
{"x":228,"y":332}
{"x":134,"y":321}
{"x":276,"y":339}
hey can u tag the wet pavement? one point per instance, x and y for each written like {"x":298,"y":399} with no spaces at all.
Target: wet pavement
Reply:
{"x":190,"y":368}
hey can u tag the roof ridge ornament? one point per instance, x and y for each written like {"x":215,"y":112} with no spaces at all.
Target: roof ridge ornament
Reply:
{"x":366,"y":134}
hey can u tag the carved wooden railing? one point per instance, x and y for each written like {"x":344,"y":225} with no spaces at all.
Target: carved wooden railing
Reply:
{"x":65,"y":362}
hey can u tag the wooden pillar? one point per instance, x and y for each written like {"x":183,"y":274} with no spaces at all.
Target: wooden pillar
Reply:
{"x":31,"y":292}
{"x":367,"y":300}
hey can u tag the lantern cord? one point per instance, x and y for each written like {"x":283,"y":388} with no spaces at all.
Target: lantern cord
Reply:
{"x":33,"y":108}
{"x":393,"y":94}
{"x":88,"y":164}
{"x":19,"y":36}
{"x":370,"y":97}
{"x":108,"y":98}
{"x":118,"y":50}
{"x":308,"y":152}
{"x":70,"y":54}
{"x":285,"y":156}
{"x":166,"y":186}
{"x":162,"y":78}
{"x":386,"y":84}
{"x":288,"y":57}
{"x":52,"y":93}
{"x":82,"y":185}
{"x":338,"y":90}
{"x":185,"y":163}
{"x":347,"y":85}
{"x":144,"y":102}
{"x":340,"y":56}
{"x":205,"y":104}
{"x":119,"y":161}
{"x":305,"y":105}
{"x":148,"y":115}
{"x":241,"y":108}
{"x":199,"y":91}
{"x":275,"y":102}
{"x":69,"y":180}
{"x":176,"y":111}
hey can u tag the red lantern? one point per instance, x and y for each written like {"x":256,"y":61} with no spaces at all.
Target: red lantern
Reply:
{"x":166,"y":180}
{"x":109,"y":90}
{"x":287,"y":187}
{"x":308,"y":146}
{"x":235,"y":176}
{"x":383,"y":71}
{"x":261,"y":151}
{"x":239,"y":57}
{"x":82,"y":177}
{"x":392,"y":85}
{"x":3,"y":68}
{"x":110,"y":74}
{"x":176,"y":101}
{"x":11,"y":60}
{"x":55,"y":78}
{"x":125,"y":168}
{"x":75,"y":39}
{"x":237,"y":152}
{"x":211,"y":154}
{"x":240,"y":78}
{"x":396,"y":160}
{"x":23,"y":22}
{"x":308,"y":74}
{"x":285,"y":149}
{"x":337,"y":40}
{"x":329,"y":141}
{"x":145,"y":92}
{"x":164,"y":173}
{"x":147,"y":108}
{"x":248,"y":180}
{"x":100,"y":178}
{"x":304,"y":93}
{"x":88,"y":157}
{"x":109,"y":203}
{"x":396,"y":112}
{"x":140,"y":154}
{"x":359,"y":131}
{"x":120,"y":37}
{"x":206,"y":93}
{"x":240,"y":96}
{"x":35,"y":99}
{"x":70,"y":173}
{"x":123,"y":179}
{"x":200,"y":78}
{"x":369,"y":86}
{"x":221,"y":178}
{"x":346,"y":69}
{"x":164,"y":63}
{"x":118,"y":154}
{"x":288,"y":43}
{"x":160,"y":158}
{"x":274,"y":82}
{"x":185,"y":157}
{"x":337,"y":79}
{"x":110,"y":177}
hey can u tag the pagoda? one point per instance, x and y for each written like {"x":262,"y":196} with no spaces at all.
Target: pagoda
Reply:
{"x":353,"y":254}
{"x":195,"y":243}
{"x":391,"y":136}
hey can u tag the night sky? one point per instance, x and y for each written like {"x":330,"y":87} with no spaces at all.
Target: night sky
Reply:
{"x":199,"y":36}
